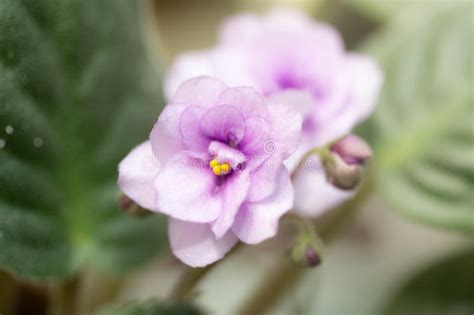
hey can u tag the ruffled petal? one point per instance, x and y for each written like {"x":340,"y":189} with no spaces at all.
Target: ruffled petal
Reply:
{"x":199,"y":91}
{"x":233,"y":192}
{"x":165,"y":138}
{"x":186,"y":189}
{"x":136,"y":174}
{"x":195,"y":244}
{"x":246,"y":99}
{"x":286,"y":128}
{"x":224,"y":123}
{"x":365,"y":79}
{"x":258,"y":221}
{"x":256,"y":137}
{"x":263,"y":180}
{"x":313,"y":193}
{"x":192,"y":137}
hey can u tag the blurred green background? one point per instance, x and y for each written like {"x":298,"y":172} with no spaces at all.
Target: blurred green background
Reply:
{"x":80,"y":85}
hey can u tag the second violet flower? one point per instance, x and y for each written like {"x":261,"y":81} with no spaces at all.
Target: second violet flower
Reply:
{"x":296,"y":61}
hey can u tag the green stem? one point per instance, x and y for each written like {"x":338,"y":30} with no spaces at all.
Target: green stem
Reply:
{"x":186,"y":285}
{"x":283,"y":277}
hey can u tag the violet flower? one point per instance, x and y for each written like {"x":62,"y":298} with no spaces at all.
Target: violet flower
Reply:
{"x":214,"y":165}
{"x":293,"y":60}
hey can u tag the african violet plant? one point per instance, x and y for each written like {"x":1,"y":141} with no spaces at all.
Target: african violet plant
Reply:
{"x":252,"y":132}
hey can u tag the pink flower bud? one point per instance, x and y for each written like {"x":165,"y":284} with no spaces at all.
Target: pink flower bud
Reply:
{"x":352,"y":149}
{"x":344,"y":164}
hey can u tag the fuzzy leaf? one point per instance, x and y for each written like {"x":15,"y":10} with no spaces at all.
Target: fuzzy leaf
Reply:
{"x":445,"y":288}
{"x":76,"y":95}
{"x":153,"y":308}
{"x":423,"y":129}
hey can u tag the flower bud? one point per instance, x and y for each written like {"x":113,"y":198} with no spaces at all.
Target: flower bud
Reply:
{"x":345,"y":160}
{"x":307,"y":249}
{"x":305,"y":255}
{"x":352,"y":149}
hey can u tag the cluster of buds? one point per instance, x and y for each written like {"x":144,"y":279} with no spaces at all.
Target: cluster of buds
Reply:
{"x":344,"y":161}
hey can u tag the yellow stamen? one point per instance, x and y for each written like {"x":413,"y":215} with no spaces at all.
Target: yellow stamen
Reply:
{"x":225,"y":168}
{"x":220,"y":169}
{"x":213,"y":163}
{"x":216,"y":169}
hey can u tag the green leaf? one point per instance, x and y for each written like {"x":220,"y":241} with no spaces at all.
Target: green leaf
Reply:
{"x":153,"y":308}
{"x":76,"y":94}
{"x":423,"y":129}
{"x":383,"y":10}
{"x":445,"y":288}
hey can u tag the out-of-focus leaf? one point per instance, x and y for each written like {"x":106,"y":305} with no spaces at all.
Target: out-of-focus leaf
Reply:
{"x":76,"y":94}
{"x":386,"y":9}
{"x":423,"y":128}
{"x":445,"y":288}
{"x":154,"y":308}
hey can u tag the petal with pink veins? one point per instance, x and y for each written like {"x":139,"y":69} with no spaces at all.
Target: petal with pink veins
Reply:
{"x":224,"y":123}
{"x":258,"y":221}
{"x":186,"y":189}
{"x":199,"y":91}
{"x":191,"y":134}
{"x":233,"y":192}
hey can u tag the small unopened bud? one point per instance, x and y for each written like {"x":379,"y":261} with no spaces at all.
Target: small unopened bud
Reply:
{"x":352,"y":149}
{"x":345,"y":160}
{"x":307,"y":249}
{"x":312,"y":257}
{"x":305,"y":255}
{"x":130,"y":207}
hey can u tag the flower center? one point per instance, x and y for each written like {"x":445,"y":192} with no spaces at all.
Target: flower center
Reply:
{"x":219,"y":168}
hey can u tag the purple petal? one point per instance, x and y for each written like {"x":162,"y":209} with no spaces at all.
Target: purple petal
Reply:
{"x":257,"y":133}
{"x":191,"y":135}
{"x":365,"y":81}
{"x":186,"y":189}
{"x":165,"y":137}
{"x":224,"y":123}
{"x":313,"y":193}
{"x":264,"y":179}
{"x":199,"y":91}
{"x":286,"y":128}
{"x":300,"y":101}
{"x":246,"y":99}
{"x":233,"y":192}
{"x":195,"y":244}
{"x":256,"y":222}
{"x":136,"y":174}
